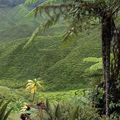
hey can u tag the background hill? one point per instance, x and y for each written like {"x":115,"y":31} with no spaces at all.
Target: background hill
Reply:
{"x":15,"y":24}
{"x":13,"y":3}
{"x":10,"y":3}
{"x":60,"y":67}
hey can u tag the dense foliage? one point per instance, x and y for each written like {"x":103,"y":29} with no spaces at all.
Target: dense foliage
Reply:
{"x":80,"y":13}
{"x":62,"y":68}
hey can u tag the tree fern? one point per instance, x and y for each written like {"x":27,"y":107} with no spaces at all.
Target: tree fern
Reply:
{"x":80,"y":12}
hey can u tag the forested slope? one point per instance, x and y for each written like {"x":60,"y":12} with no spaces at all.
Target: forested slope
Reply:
{"x":59,"y":66}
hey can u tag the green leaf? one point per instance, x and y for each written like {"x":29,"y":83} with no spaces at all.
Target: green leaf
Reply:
{"x":3,"y":110}
{"x":7,"y":114}
{"x":1,"y":102}
{"x":75,"y":113}
{"x":57,"y":112}
{"x":92,"y":59}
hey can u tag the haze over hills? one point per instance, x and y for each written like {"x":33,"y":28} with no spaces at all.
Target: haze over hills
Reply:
{"x":14,"y":23}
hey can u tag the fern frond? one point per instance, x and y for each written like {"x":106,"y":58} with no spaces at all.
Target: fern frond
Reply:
{"x":96,"y":66}
{"x":32,"y":37}
{"x":28,"y":2}
{"x":92,"y":59}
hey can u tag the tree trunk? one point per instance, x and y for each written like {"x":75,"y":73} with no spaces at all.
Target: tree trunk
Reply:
{"x":106,"y":43}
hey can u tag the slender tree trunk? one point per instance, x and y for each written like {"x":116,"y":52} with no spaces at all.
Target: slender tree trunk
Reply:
{"x":106,"y":43}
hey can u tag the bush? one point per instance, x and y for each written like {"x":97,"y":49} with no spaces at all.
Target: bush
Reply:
{"x":57,"y":111}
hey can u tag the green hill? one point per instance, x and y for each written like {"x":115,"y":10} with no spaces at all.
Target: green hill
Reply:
{"x":60,"y":67}
{"x":14,"y":23}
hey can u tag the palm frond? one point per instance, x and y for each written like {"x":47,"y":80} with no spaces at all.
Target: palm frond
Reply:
{"x":92,"y":59}
{"x":28,"y":2}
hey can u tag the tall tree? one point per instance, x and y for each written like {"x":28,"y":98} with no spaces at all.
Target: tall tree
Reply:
{"x":80,"y":12}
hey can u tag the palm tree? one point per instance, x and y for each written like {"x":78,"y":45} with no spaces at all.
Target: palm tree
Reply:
{"x":82,"y":11}
{"x":33,"y":85}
